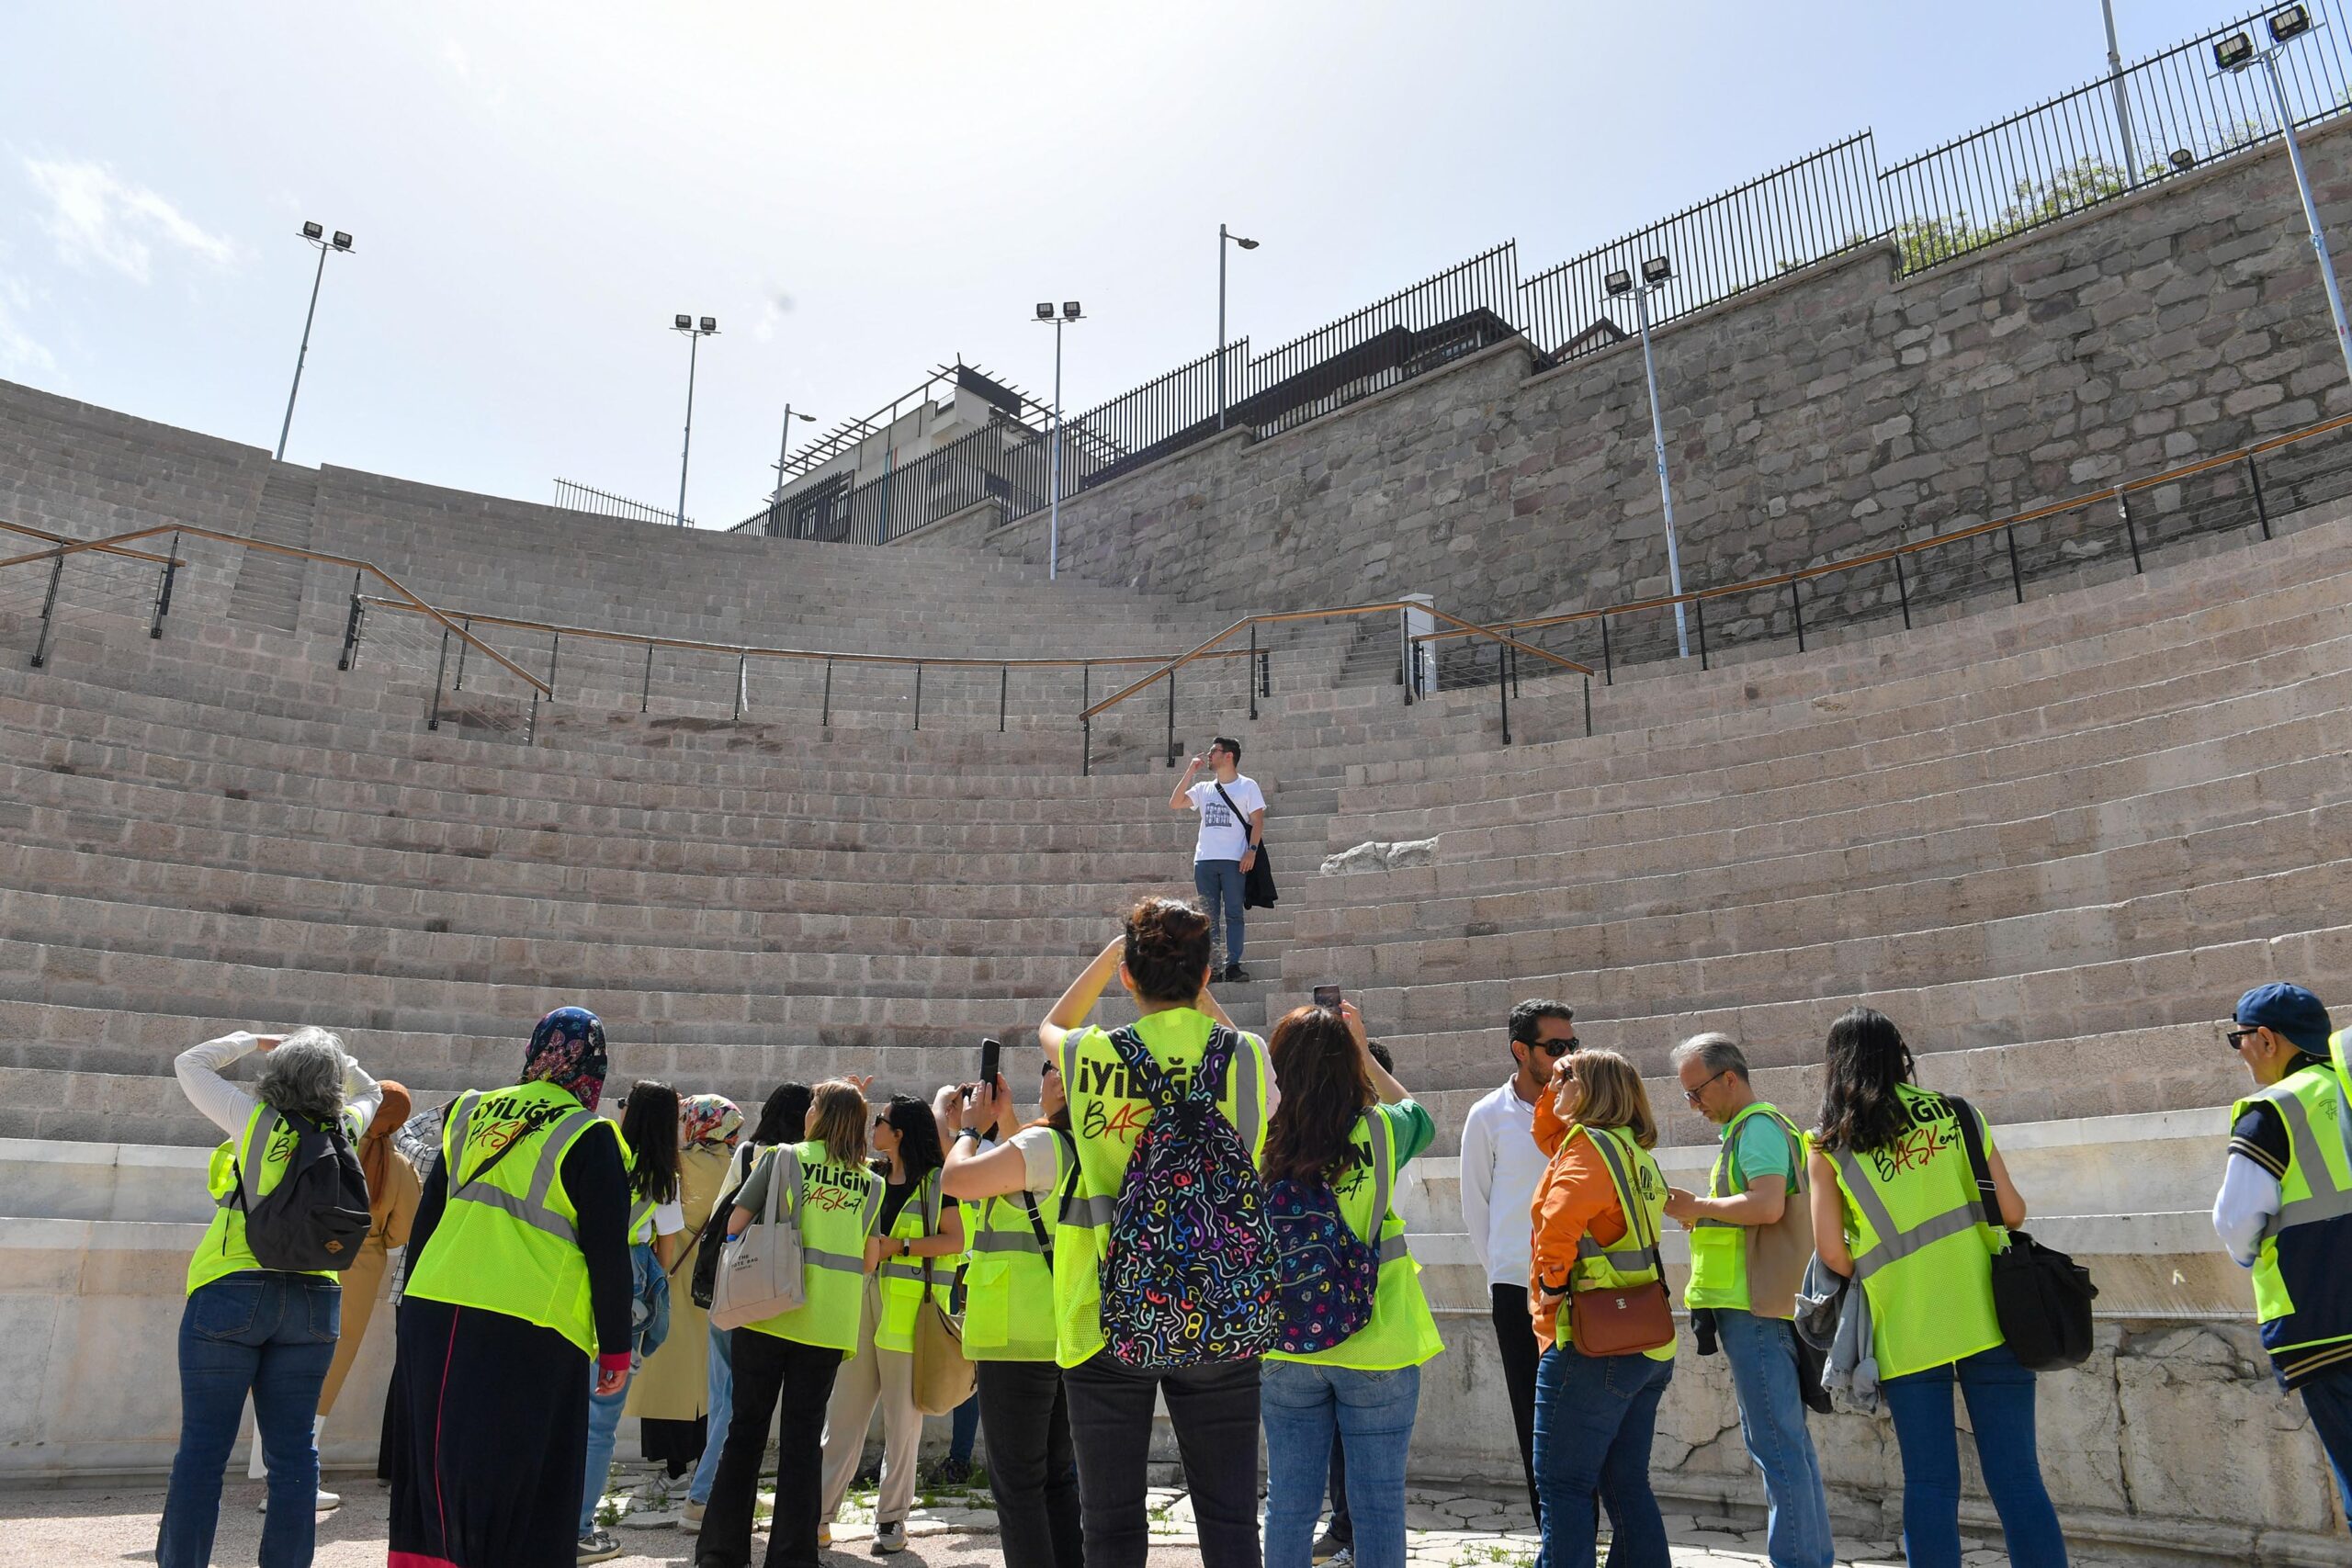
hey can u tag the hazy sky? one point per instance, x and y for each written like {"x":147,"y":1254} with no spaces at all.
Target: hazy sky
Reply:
{"x":860,"y":192}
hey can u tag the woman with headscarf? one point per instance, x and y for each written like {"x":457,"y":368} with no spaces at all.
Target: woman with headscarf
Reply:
{"x":518,"y":1279}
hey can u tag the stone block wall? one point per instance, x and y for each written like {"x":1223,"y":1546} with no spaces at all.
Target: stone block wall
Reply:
{"x":1840,"y":409}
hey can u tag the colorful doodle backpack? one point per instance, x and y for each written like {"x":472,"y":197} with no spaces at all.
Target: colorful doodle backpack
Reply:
{"x":1329,"y":1275}
{"x":1188,"y":1270}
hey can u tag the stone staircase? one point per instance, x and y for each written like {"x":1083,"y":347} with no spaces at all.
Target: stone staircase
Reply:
{"x":269,"y":586}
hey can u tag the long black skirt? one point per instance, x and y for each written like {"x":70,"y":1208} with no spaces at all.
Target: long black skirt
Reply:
{"x":490,"y":1440}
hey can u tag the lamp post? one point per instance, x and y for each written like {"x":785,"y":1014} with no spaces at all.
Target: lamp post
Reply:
{"x":695,"y":332}
{"x":1656,"y":271}
{"x":1224,"y":234}
{"x":782,"y":449}
{"x":316,"y":235}
{"x":2122,"y":99}
{"x":2236,"y":52}
{"x":1069,"y":313}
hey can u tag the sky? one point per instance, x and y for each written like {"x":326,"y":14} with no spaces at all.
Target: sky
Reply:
{"x":859,"y":193}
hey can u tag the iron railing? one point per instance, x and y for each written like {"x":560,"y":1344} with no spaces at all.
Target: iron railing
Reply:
{"x":1807,"y":210}
{"x":576,"y":497}
{"x":1164,"y":415}
{"x":2158,"y":119}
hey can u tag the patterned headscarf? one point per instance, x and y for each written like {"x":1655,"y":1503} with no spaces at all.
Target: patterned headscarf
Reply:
{"x":568,"y":1051}
{"x":710,"y":1120}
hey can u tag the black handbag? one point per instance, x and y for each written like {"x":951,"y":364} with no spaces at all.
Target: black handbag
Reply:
{"x":1257,"y":883}
{"x":2041,"y":1297}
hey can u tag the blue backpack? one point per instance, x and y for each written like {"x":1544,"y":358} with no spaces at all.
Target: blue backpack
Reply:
{"x":1329,"y":1274}
{"x":1188,"y":1271}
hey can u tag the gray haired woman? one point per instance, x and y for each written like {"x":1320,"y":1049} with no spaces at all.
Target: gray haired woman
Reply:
{"x":247,"y":1329}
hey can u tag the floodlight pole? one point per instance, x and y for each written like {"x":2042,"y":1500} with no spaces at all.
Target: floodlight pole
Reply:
{"x":316,"y":279}
{"x":2269,"y":57}
{"x":685,"y":452}
{"x":2122,"y":99}
{"x":1665,"y":488}
{"x":1054,"y":516}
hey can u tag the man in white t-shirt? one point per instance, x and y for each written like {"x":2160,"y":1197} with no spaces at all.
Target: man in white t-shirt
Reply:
{"x":1233,"y":824}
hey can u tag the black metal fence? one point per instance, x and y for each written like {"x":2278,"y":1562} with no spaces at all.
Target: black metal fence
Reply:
{"x":1161,"y":417}
{"x":574,"y":496}
{"x":1802,"y":212}
{"x":2154,"y":120}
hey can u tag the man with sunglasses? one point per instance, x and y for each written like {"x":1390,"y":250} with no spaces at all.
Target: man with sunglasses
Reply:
{"x":2285,"y":1207}
{"x":1501,"y":1162}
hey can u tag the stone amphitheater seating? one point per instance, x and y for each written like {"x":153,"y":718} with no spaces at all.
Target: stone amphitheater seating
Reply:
{"x":2052,"y":839}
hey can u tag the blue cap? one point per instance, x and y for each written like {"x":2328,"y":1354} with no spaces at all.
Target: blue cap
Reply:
{"x":2288,"y":1011}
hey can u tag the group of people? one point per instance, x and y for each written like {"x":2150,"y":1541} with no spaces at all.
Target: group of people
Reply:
{"x":544,"y":1235}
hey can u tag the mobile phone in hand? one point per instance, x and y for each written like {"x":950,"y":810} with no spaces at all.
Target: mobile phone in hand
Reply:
{"x":1327,"y":996}
{"x":992,"y":1052}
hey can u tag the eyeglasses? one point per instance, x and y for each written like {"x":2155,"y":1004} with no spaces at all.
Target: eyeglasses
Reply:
{"x":1556,"y":1049}
{"x":1692,"y":1094}
{"x":2236,"y":1036}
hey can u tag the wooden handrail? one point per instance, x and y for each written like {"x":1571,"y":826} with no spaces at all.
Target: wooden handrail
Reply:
{"x":32,"y":533}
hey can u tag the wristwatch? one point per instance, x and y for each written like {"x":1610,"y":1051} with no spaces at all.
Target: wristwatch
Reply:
{"x":971,"y":1133}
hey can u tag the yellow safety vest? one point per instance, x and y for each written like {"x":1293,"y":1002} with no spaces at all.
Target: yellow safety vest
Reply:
{"x":904,"y":1280}
{"x":509,"y":1240}
{"x":1719,"y":1249}
{"x":1401,"y":1332}
{"x":1633,"y":1258}
{"x":2303,"y":1277}
{"x":268,"y":1143}
{"x":1921,"y":1249}
{"x":839,"y":1206}
{"x":1009,"y":1283}
{"x":1106,"y":1120}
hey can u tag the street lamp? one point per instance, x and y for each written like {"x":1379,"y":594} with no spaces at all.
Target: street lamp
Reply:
{"x":1071,"y":312}
{"x":2236,"y":52}
{"x":316,"y":235}
{"x":1657,"y":272}
{"x":782,"y":449}
{"x":695,"y":332}
{"x":1224,"y":234}
{"x":2123,"y":99}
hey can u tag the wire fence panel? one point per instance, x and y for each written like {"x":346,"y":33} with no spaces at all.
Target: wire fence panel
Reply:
{"x":1818,"y":206}
{"x":1161,"y":417}
{"x":575,"y":497}
{"x":2156,"y":120}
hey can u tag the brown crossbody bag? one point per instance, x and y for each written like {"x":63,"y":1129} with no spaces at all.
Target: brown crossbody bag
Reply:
{"x":1621,"y":1320}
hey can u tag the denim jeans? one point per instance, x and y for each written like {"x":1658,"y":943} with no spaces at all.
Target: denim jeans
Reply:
{"x":1594,"y":1418}
{"x":964,"y":1430}
{"x":2000,"y":1407}
{"x":604,"y":1431}
{"x":721,"y":1398}
{"x":271,"y":1336}
{"x":1214,"y":1410}
{"x":1220,"y":885}
{"x":2328,"y":1397}
{"x":1763,"y":1357}
{"x":1304,"y":1406}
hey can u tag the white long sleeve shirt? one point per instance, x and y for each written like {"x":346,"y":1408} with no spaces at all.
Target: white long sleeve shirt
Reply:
{"x":232,"y":1105}
{"x":1500,"y":1166}
{"x":2249,"y":1200}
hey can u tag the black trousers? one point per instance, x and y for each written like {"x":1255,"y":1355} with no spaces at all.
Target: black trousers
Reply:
{"x":1215,"y":1412}
{"x":1032,"y":1470}
{"x":769,"y":1370}
{"x":1341,"y":1530}
{"x":1515,"y":1338}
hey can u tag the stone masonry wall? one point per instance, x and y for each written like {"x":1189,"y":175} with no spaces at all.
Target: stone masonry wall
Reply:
{"x":1840,"y":409}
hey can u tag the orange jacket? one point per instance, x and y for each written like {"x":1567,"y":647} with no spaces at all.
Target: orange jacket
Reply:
{"x":1574,"y":1196}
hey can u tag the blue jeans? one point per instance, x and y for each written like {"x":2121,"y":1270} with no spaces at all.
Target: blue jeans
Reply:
{"x":1763,"y":1357}
{"x":2328,"y":1397}
{"x":2000,"y":1406}
{"x":964,"y":1430}
{"x":271,"y":1336}
{"x":1594,"y":1418}
{"x":1303,"y":1406}
{"x":1220,"y":884}
{"x":721,"y":1398}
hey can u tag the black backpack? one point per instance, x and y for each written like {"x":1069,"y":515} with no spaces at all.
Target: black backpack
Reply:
{"x":316,"y":1217}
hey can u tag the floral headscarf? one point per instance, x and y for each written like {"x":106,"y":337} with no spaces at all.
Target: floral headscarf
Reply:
{"x":568,"y":1051}
{"x":710,"y":1121}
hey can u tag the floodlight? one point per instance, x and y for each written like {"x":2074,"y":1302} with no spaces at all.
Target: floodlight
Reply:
{"x":1070,"y":310}
{"x":1619,"y":282}
{"x":2181,"y":158}
{"x":2289,"y":21}
{"x":711,"y":323}
{"x":312,"y":231}
{"x":1245,"y":244}
{"x":1656,"y":270}
{"x":341,"y":241}
{"x":2234,"y":53}
{"x":682,"y":324}
{"x":1045,"y":310}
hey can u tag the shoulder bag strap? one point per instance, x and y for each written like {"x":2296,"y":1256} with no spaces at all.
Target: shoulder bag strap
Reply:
{"x":1142,"y":1069}
{"x":1064,"y":1152}
{"x":1239,"y":820}
{"x":1972,"y":1138}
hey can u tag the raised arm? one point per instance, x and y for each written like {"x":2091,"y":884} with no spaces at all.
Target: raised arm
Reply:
{"x":229,"y":1105}
{"x":1384,"y":1082}
{"x":1178,"y":800}
{"x":975,"y":1172}
{"x":1077,"y":1004}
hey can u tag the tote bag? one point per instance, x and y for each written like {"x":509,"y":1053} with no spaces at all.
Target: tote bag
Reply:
{"x":943,"y":1377}
{"x":759,"y":1271}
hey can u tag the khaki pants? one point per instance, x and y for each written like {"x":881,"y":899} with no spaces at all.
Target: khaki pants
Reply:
{"x":867,"y":1378}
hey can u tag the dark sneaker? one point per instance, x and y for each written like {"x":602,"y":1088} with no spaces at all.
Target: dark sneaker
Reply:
{"x":1236,"y":974}
{"x":597,"y":1545}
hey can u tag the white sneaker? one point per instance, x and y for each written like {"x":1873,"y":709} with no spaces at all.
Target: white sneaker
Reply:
{"x":327,"y":1500}
{"x":824,"y":1535}
{"x":890,"y":1538}
{"x":653,"y":1520}
{"x":690,"y":1518}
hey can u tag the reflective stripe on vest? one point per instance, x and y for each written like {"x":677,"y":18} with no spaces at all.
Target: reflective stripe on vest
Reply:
{"x":1894,"y":1241}
{"x":2304,"y":1153}
{"x":531,"y":1208}
{"x":1639,"y":1258}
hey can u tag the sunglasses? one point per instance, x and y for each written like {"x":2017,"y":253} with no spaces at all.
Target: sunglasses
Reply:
{"x":2238,"y":1036}
{"x":1556,"y":1049}
{"x":1692,"y":1094}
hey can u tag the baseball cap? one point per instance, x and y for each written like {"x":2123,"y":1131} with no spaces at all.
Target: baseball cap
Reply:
{"x":2288,"y":1011}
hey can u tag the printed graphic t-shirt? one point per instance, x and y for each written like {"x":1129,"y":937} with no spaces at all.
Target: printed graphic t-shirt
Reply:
{"x":1223,"y":837}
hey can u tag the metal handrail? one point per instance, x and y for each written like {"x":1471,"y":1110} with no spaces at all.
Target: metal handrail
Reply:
{"x":1935,"y":541}
{"x":113,"y":545}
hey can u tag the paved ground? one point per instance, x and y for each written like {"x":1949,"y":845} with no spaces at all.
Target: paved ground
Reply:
{"x":70,"y":1527}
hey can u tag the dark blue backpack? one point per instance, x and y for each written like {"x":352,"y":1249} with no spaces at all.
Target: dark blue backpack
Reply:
{"x":1329,"y":1274}
{"x":1188,"y":1271}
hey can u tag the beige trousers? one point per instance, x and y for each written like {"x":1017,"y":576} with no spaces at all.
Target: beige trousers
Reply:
{"x":867,"y":1378}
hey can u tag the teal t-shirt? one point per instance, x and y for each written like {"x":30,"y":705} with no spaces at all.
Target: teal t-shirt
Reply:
{"x":1763,"y":1150}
